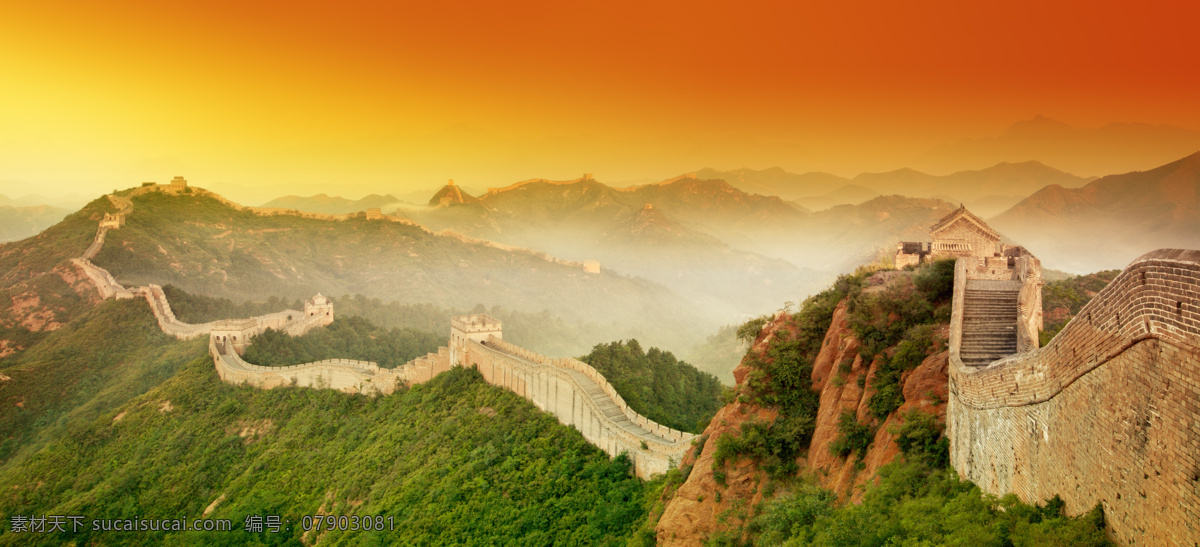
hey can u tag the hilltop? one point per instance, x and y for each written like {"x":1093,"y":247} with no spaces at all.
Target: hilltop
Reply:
{"x":209,"y":247}
{"x":1125,"y":215}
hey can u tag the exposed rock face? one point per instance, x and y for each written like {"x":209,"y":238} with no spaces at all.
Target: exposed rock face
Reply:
{"x":696,"y":511}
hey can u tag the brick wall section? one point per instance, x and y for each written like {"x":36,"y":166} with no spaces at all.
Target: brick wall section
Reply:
{"x":1107,"y":413}
{"x":566,"y":388}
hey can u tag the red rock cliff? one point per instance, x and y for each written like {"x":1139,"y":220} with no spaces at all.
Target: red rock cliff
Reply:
{"x":701,"y":506}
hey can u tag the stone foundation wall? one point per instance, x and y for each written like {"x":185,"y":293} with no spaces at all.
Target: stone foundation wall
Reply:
{"x":1107,"y":413}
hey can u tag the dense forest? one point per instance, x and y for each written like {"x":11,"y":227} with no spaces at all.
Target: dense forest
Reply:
{"x":147,"y":429}
{"x":658,"y":386}
{"x":345,"y":338}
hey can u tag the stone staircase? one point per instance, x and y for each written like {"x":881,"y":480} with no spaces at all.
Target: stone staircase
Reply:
{"x":609,"y":408}
{"x":989,"y":321}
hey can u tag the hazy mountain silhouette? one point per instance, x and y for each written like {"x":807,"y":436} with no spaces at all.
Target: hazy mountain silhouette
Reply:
{"x":1010,"y":180}
{"x":676,"y":232}
{"x":333,"y":205}
{"x":851,"y":194}
{"x":1112,"y":220}
{"x":777,"y":182}
{"x":1003,"y":179}
{"x":1113,"y":148}
{"x":22,"y":222}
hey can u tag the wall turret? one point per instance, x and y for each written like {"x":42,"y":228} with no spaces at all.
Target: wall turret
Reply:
{"x":319,"y":307}
{"x":476,"y":327}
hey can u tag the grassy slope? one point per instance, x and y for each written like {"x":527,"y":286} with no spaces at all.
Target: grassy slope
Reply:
{"x":454,"y":460}
{"x":35,"y":275}
{"x":85,"y":369}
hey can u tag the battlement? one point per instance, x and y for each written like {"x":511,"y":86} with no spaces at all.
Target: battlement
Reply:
{"x":476,"y":323}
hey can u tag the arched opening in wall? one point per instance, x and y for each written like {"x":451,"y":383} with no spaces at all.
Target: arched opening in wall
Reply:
{"x":1179,"y":308}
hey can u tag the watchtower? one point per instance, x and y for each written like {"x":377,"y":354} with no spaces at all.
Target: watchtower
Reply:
{"x":112,"y":220}
{"x":374,"y":213}
{"x":319,"y":307}
{"x":470,"y":328}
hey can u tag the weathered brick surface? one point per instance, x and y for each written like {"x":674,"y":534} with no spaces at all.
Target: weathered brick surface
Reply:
{"x":1107,"y":413}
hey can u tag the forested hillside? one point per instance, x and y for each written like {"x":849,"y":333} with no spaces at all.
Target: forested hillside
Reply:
{"x":346,"y":338}
{"x":139,"y":425}
{"x":658,"y":386}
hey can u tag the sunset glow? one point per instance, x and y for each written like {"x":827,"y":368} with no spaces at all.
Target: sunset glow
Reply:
{"x":264,"y":99}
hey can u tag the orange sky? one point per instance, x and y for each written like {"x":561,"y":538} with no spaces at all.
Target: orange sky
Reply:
{"x":357,"y":97}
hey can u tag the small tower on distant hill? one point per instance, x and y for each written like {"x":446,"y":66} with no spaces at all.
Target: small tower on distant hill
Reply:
{"x":112,"y":220}
{"x":177,"y":184}
{"x":320,"y":307}
{"x":374,"y":213}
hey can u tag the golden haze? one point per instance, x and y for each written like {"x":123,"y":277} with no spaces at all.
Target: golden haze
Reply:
{"x":266,"y":98}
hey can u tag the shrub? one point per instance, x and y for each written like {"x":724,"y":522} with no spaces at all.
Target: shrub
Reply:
{"x":749,"y":330}
{"x":854,"y":436}
{"x":920,"y":437}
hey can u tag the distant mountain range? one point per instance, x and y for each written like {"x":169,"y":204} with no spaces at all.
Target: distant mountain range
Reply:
{"x":333,"y":205}
{"x":1113,"y":148}
{"x":22,"y":222}
{"x":988,"y":191}
{"x":1110,"y":221}
{"x":675,"y":233}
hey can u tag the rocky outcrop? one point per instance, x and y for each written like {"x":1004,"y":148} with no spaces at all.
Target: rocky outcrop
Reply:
{"x":702,"y":506}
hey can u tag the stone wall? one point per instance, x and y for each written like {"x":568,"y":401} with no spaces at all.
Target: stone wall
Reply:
{"x":580,"y":397}
{"x":1107,"y":413}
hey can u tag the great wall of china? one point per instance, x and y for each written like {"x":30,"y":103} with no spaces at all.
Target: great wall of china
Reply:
{"x":569,"y":389}
{"x":1107,"y":413}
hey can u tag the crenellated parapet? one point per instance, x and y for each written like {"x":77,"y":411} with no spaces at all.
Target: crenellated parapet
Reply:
{"x":1107,"y":413}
